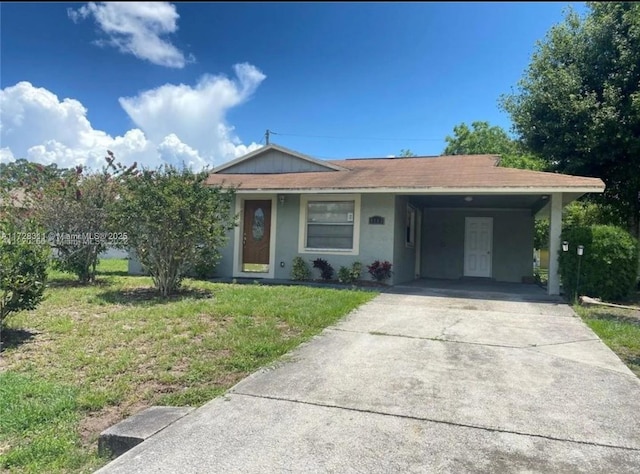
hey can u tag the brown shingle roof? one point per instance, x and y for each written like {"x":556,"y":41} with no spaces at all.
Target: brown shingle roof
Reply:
{"x":419,"y":173}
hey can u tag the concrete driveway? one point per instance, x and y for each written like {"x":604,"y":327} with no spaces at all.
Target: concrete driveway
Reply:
{"x":421,"y":380}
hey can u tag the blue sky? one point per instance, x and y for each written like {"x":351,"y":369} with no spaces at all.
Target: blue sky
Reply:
{"x":200,"y":83}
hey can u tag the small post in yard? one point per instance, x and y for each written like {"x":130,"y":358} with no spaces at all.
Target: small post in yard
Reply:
{"x":580,"y":252}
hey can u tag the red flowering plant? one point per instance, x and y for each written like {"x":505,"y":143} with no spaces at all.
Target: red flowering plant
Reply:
{"x":380,"y":271}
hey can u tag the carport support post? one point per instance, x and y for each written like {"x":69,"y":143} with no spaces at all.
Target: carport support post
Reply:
{"x":555,"y":227}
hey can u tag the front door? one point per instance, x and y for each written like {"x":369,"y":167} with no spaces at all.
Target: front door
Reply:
{"x":256,"y":236}
{"x":478,"y":243}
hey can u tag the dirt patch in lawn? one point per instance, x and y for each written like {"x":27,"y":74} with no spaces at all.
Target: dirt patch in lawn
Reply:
{"x":136,"y":296}
{"x":95,"y":423}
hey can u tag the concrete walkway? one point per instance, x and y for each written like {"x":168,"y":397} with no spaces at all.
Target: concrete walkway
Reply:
{"x":421,"y":380}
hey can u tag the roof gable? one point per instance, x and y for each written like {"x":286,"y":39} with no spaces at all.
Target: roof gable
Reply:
{"x":275,"y":159}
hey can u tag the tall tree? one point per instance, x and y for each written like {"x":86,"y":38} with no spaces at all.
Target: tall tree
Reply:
{"x":479,"y":139}
{"x":482,"y":138}
{"x":25,"y":174}
{"x":578,"y":103}
{"x":406,"y":153}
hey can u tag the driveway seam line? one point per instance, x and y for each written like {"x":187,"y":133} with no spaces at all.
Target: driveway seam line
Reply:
{"x":462,"y":308}
{"x":374,"y":302}
{"x":444,"y":330}
{"x":525,"y":348}
{"x":438,"y":338}
{"x":450,"y":423}
{"x":374,"y":333}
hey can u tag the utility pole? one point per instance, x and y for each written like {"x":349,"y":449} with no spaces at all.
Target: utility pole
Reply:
{"x":266,"y":136}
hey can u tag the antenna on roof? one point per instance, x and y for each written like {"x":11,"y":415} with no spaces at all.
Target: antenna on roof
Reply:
{"x":266,"y":136}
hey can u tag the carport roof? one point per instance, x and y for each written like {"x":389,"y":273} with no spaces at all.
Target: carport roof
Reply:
{"x":418,"y":175}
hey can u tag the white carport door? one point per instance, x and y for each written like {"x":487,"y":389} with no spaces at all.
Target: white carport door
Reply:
{"x":478,"y":240}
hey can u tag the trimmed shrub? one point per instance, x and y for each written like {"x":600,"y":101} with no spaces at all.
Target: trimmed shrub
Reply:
{"x":380,"y":271}
{"x":350,"y":275}
{"x":300,"y":270}
{"x":609,"y":263}
{"x":23,"y":273}
{"x":326,"y":270}
{"x":344,"y":275}
{"x":356,"y":271}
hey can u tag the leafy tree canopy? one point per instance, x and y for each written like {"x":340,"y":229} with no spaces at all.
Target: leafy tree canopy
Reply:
{"x":406,"y":153}
{"x":482,"y":138}
{"x":28,"y":175}
{"x":578,"y":103}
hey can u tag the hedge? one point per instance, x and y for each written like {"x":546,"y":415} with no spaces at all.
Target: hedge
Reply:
{"x":609,"y":265}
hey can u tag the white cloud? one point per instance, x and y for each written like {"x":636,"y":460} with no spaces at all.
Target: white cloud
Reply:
{"x":137,"y":28}
{"x":174,"y":124}
{"x":36,"y":125}
{"x":196,"y":114}
{"x":6,"y":156}
{"x":176,"y":153}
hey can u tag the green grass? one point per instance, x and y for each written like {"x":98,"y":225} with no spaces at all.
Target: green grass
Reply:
{"x":113,"y":266}
{"x":37,"y":421}
{"x":91,"y":356}
{"x":619,"y":329}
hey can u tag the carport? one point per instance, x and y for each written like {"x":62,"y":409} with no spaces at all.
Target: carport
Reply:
{"x":489,"y":236}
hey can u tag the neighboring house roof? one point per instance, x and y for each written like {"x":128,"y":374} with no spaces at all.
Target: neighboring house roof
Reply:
{"x":444,"y":174}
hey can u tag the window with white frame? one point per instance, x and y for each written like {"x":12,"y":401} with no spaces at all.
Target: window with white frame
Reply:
{"x":411,"y":226}
{"x":329,"y":223}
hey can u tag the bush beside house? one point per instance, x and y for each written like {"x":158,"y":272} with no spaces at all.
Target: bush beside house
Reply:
{"x":609,"y":264}
{"x":300,"y":270}
{"x":23,"y":272}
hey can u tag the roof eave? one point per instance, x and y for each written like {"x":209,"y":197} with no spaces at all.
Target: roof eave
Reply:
{"x":431,"y":190}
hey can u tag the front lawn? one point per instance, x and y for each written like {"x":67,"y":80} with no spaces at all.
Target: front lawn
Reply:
{"x":619,"y":329}
{"x":90,"y":356}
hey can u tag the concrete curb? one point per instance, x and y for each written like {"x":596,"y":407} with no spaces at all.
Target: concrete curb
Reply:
{"x":120,"y":438}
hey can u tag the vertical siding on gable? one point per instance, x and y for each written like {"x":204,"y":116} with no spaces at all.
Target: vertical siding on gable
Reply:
{"x":272,"y":162}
